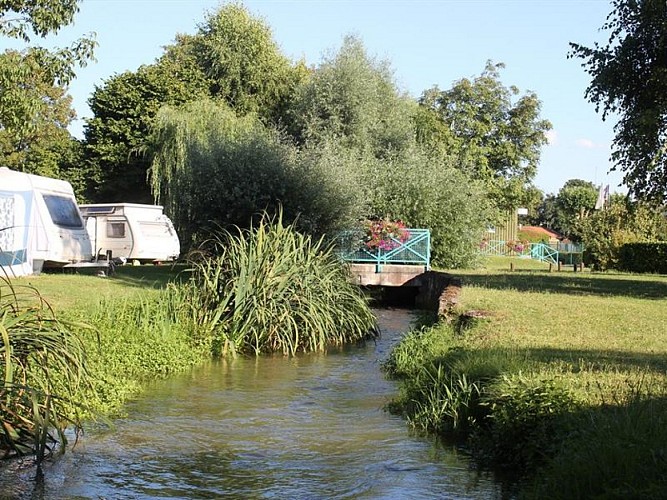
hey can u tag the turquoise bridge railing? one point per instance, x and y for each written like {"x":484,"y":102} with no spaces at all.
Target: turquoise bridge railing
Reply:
{"x":415,"y":250}
{"x":551,"y":253}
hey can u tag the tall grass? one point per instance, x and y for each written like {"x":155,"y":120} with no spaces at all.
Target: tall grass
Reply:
{"x":614,"y":452}
{"x":42,"y":371}
{"x":273,"y":289}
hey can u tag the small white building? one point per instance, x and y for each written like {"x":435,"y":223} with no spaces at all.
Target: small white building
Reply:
{"x":40,"y":224}
{"x":131,"y":231}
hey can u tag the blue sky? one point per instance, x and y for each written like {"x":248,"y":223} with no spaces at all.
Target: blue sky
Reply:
{"x":428,"y":42}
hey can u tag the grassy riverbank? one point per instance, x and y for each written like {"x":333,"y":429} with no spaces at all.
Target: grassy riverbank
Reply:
{"x":132,"y":331}
{"x":565,"y":380}
{"x":270,"y":289}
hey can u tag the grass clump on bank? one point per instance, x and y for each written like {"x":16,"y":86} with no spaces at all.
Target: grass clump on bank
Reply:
{"x":273,"y":289}
{"x":565,"y":385}
{"x":42,"y":372}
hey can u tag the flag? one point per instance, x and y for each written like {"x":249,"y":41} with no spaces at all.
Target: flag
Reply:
{"x":599,"y":204}
{"x":606,"y":195}
{"x":603,"y":197}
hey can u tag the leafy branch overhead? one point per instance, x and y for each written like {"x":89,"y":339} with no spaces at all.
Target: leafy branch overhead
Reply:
{"x":629,"y":79}
{"x":29,"y":78}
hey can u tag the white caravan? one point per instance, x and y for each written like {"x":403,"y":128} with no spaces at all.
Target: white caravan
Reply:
{"x":131,"y":231}
{"x":40,"y":224}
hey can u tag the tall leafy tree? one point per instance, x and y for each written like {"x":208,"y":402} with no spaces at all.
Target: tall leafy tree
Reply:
{"x":546,"y":213}
{"x":352,"y":98}
{"x":123,"y":110}
{"x":574,"y":203}
{"x":498,"y":135}
{"x":23,"y":74}
{"x":38,"y":148}
{"x":244,"y":64}
{"x":629,"y":79}
{"x":232,"y":58}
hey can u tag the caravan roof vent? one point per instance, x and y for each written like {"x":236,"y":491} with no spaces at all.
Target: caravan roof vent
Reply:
{"x":97,"y":210}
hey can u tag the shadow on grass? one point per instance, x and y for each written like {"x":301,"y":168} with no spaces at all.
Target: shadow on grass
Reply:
{"x":148,"y":276}
{"x":607,"y":452}
{"x":578,"y":359}
{"x":572,"y":284}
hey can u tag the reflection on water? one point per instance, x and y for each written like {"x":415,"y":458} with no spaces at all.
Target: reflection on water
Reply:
{"x":289,"y":428}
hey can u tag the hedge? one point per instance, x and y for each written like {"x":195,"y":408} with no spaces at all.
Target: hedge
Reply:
{"x":644,"y":257}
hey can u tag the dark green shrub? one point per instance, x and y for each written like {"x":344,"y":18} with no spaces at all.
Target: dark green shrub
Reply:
{"x":526,"y":420}
{"x":644,"y":257}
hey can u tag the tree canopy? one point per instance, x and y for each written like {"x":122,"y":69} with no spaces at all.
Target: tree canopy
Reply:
{"x":123,"y":111}
{"x":37,"y":149}
{"x":497,"y":136}
{"x":231,"y":58}
{"x":629,"y":78}
{"x":20,"y":103}
{"x":245,"y":67}
{"x":352,"y":97}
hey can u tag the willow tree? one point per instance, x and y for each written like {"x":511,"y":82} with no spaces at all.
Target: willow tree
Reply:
{"x":212,"y":168}
{"x":232,"y":58}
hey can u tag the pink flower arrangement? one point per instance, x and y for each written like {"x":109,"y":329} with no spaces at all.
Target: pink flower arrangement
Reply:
{"x":517,"y":246}
{"x":385,"y":235}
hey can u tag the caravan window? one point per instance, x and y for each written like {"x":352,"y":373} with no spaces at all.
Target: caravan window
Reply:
{"x":115,"y":230}
{"x":63,"y":210}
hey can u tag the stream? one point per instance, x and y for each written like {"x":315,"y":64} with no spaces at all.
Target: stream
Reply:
{"x":308,"y":427}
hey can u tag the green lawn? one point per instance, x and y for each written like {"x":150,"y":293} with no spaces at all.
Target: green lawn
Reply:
{"x":599,"y":327}
{"x":80,"y":291}
{"x":563,"y":381}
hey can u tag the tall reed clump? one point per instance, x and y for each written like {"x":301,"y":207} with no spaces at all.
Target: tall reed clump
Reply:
{"x":42,"y":370}
{"x":273,"y":289}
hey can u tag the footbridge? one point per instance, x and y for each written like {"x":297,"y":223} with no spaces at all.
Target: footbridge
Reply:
{"x":394,"y":259}
{"x":400,"y":263}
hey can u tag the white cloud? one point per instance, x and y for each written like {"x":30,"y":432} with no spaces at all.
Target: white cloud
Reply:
{"x":552,"y":137}
{"x":585,"y":143}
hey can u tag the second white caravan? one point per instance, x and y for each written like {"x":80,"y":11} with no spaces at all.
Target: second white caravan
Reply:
{"x":131,"y":231}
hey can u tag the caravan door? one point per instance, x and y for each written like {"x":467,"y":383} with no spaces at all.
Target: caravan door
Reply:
{"x":118,"y":236}
{"x":109,"y":233}
{"x":15,"y":227}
